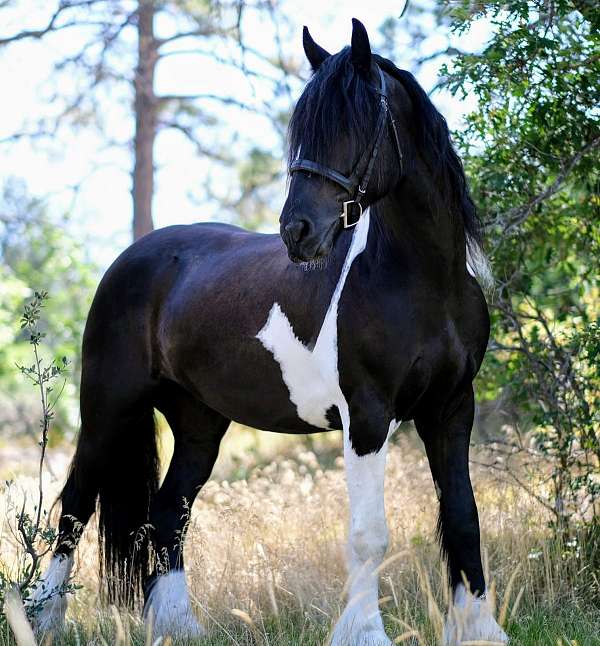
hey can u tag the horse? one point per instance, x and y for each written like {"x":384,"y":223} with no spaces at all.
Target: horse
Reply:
{"x":363,"y":312}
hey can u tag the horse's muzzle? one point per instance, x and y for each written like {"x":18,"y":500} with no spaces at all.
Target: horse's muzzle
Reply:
{"x":305,"y":241}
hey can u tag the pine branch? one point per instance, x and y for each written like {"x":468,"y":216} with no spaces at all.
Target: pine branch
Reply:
{"x":53,"y":24}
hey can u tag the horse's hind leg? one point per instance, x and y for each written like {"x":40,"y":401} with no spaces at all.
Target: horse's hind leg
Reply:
{"x":197,"y":431}
{"x":447,"y":444}
{"x":115,"y":459}
{"x":78,"y":501}
{"x":48,"y":598}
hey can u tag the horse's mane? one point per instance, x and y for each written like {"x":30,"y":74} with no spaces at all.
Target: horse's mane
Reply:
{"x":338,"y":101}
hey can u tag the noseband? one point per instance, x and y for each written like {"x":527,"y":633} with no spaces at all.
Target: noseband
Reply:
{"x":357,"y":182}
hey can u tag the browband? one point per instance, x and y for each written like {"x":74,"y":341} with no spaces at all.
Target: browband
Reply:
{"x":312,"y":167}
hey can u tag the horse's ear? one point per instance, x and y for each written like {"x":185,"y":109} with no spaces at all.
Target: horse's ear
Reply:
{"x":361,"y":49}
{"x":315,"y":53}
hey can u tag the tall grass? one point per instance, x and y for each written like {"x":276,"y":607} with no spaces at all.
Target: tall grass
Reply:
{"x":265,"y":559}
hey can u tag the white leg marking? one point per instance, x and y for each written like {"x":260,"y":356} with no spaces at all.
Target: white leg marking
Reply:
{"x":471,"y":619}
{"x":360,"y":623}
{"x":48,"y":598}
{"x":170,"y":608}
{"x":312,"y":379}
{"x":312,"y":376}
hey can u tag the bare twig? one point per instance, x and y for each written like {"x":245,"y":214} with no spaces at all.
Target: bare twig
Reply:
{"x":53,"y":24}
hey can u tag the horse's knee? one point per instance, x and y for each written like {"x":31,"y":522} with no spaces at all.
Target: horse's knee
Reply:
{"x":369,"y":542}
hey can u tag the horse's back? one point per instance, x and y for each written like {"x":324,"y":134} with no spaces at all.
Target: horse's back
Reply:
{"x":145,"y":268}
{"x":192,"y":241}
{"x":133,"y":292}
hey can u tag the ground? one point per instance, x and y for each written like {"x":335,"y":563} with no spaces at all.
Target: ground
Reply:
{"x":265,"y":555}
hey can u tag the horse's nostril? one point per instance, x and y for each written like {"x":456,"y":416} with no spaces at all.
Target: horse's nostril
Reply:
{"x":297,"y":229}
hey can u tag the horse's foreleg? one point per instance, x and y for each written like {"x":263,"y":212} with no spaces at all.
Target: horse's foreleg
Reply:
{"x":197,"y":432}
{"x":365,"y":456}
{"x":447,"y":444}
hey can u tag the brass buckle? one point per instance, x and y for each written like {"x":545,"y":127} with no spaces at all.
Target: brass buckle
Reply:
{"x":344,"y":214}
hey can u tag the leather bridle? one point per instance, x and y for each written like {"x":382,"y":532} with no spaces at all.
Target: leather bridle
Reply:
{"x":357,"y":182}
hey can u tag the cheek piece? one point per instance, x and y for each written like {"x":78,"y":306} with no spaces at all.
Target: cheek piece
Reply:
{"x":357,"y":182}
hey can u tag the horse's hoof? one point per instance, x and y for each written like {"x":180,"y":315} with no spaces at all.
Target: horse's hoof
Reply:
{"x":470,"y":619}
{"x":184,"y":627}
{"x":48,"y":601}
{"x":50,"y":618}
{"x":168,"y":608}
{"x":354,"y":630}
{"x":478,"y":627}
{"x":363,"y":639}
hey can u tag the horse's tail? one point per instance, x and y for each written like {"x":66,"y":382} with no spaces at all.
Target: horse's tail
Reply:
{"x":122,"y":463}
{"x":129,"y":485}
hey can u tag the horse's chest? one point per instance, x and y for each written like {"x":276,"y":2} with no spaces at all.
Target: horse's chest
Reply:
{"x":311,"y":375}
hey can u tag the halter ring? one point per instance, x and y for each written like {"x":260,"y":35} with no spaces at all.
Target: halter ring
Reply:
{"x":344,"y":214}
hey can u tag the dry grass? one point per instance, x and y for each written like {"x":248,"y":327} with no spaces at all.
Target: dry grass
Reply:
{"x":265,"y":556}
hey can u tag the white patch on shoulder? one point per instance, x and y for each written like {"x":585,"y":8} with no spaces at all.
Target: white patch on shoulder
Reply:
{"x":311,"y":376}
{"x":169,"y":608}
{"x":48,"y":596}
{"x":470,"y":619}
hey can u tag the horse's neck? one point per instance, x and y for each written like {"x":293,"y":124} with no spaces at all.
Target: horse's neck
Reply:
{"x":414,"y":223}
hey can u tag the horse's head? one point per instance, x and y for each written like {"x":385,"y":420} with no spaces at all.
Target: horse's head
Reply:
{"x":345,"y":151}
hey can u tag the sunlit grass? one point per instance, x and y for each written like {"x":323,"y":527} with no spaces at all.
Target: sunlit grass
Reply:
{"x":265,"y":556}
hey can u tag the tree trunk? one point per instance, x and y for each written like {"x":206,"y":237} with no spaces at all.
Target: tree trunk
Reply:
{"x":145,"y":121}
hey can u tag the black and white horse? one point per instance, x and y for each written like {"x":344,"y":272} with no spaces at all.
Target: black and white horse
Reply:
{"x":378,"y":319}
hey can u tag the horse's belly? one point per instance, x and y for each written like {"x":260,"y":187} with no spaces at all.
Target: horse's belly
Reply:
{"x":269,"y":381}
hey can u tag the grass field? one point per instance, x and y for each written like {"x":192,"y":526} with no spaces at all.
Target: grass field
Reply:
{"x":265,"y":555}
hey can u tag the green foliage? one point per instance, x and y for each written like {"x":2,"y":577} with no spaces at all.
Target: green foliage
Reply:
{"x":35,"y":249}
{"x":33,"y":533}
{"x":532,"y":153}
{"x":258,"y":174}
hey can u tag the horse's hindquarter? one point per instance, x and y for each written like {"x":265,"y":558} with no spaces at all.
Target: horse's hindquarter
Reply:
{"x":228,"y":283}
